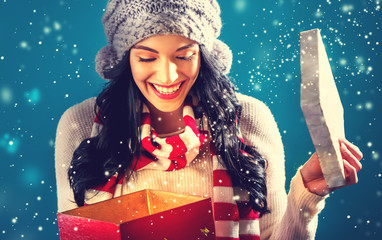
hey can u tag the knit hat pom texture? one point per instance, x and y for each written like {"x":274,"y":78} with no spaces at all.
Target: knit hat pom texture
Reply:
{"x":126,"y":22}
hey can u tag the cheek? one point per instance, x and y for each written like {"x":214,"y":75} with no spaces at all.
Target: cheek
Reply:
{"x":139,"y":73}
{"x":192,"y":70}
{"x":139,"y":78}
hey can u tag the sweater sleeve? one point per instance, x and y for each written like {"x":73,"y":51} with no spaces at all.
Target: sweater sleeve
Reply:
{"x":293,"y":216}
{"x":74,"y":126}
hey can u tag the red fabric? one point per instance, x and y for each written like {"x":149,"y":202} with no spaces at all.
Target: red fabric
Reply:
{"x":221,"y":178}
{"x":98,"y":116}
{"x":145,"y":119}
{"x":177,"y":156}
{"x":249,"y":237}
{"x":226,"y":238}
{"x":246,"y":211}
{"x":226,"y":211}
{"x":109,"y":186}
{"x":153,"y":152}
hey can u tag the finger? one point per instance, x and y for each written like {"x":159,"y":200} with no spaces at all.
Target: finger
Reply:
{"x":352,"y":173}
{"x":346,"y":154}
{"x":352,"y":148}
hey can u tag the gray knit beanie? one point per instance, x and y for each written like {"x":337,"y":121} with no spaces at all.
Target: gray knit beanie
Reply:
{"x":126,"y":22}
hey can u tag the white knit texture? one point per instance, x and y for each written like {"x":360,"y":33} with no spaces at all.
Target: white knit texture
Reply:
{"x":292,"y":217}
{"x":127,"y":22}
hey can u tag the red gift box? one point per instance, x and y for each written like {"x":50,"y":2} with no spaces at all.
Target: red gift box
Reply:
{"x":146,"y":214}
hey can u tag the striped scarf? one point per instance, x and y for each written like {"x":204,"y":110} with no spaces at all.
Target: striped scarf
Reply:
{"x":234,"y":217}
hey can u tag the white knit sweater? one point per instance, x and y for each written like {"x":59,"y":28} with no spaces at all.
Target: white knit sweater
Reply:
{"x":292,"y":217}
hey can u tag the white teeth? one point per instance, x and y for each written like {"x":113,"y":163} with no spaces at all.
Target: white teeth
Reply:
{"x":167,"y":91}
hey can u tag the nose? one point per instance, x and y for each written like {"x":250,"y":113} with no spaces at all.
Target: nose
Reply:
{"x":167,"y":72}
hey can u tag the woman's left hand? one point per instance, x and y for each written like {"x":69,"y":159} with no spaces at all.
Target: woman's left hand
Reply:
{"x":313,"y":177}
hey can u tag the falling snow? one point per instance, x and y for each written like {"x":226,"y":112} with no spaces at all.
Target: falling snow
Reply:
{"x":47,"y":65}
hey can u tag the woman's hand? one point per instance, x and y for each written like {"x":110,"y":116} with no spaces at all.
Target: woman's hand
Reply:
{"x":313,"y":177}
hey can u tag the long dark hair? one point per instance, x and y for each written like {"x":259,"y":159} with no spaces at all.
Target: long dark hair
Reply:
{"x":100,"y":157}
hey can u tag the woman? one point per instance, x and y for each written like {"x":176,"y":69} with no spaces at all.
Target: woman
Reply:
{"x":170,"y":120}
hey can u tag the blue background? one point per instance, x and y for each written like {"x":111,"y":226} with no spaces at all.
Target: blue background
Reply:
{"x":47,"y":55}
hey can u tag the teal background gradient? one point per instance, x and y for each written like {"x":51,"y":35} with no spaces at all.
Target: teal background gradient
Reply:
{"x":47,"y":56}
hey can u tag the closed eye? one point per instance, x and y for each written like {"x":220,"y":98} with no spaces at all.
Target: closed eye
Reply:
{"x":189,"y":58}
{"x":186,"y":58}
{"x":146,"y":59}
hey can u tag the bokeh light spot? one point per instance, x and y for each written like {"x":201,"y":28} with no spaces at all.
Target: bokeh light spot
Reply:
{"x":9,"y":144}
{"x":240,"y":5}
{"x":33,"y":96}
{"x":6,"y":95}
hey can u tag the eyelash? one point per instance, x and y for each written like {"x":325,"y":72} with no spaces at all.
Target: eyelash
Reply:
{"x":153,"y":59}
{"x":189,"y":58}
{"x":146,"y":59}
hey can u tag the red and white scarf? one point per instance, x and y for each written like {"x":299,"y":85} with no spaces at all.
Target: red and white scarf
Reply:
{"x":234,"y":217}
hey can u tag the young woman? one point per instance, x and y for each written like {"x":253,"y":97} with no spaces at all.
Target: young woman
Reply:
{"x":170,"y":120}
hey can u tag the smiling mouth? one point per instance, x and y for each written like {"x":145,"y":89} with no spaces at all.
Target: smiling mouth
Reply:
{"x":167,"y":90}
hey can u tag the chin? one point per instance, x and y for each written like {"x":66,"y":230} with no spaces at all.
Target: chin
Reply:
{"x":169,"y":107}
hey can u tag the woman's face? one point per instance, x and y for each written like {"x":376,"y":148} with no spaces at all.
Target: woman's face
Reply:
{"x":165,"y":67}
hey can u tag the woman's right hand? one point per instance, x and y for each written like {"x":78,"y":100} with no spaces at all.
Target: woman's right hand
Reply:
{"x":313,"y":177}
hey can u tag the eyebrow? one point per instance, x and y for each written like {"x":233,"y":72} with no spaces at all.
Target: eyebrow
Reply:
{"x":155,"y":51}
